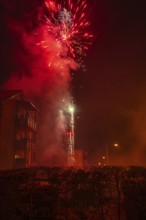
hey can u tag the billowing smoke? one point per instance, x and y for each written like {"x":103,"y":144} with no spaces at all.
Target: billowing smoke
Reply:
{"x":42,"y":71}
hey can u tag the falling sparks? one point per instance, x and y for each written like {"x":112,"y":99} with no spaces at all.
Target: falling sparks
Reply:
{"x":67,"y":24}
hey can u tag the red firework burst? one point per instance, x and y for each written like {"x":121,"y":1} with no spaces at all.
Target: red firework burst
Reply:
{"x":67,"y":22}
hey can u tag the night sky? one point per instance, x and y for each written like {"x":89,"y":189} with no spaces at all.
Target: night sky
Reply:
{"x":112,"y":100}
{"x":110,"y":96}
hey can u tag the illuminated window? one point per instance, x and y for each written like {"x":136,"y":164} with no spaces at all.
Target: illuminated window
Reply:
{"x":19,"y":154}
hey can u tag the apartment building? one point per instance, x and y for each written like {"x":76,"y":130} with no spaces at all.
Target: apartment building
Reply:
{"x":18,"y":124}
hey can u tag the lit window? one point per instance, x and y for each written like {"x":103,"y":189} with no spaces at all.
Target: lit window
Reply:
{"x":19,"y":154}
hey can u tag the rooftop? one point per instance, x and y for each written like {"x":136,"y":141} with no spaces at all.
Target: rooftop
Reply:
{"x":7,"y":94}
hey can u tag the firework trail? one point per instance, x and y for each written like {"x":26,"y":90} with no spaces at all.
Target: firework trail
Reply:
{"x":49,"y":52}
{"x":71,"y":136}
{"x":66,"y":23}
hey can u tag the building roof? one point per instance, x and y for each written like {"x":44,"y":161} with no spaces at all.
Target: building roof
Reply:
{"x":28,"y":105}
{"x":7,"y":94}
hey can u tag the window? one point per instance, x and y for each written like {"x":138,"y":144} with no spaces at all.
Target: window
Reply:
{"x":30,"y":135}
{"x":20,"y":135}
{"x":19,"y":154}
{"x":21,"y":112}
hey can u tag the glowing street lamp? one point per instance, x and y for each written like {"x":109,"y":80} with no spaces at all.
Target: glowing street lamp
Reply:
{"x":115,"y":145}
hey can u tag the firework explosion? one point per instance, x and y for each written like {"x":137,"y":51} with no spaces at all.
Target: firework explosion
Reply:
{"x":67,"y":22}
{"x":49,"y":52}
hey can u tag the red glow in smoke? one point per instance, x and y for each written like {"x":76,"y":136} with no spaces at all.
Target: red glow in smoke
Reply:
{"x":44,"y":61}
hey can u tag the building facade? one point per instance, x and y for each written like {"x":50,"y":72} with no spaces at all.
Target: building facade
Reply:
{"x":18,"y":119}
{"x":79,"y":163}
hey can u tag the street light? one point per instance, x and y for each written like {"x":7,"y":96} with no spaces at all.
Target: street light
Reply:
{"x":115,"y":145}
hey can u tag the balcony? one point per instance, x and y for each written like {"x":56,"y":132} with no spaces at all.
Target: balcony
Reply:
{"x":31,"y":124}
{"x":20,"y":162}
{"x":26,"y":122}
{"x":20,"y":144}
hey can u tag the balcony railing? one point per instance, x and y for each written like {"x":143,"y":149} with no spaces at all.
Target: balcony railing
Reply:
{"x":20,"y":162}
{"x":21,"y":144}
{"x":26,"y":122}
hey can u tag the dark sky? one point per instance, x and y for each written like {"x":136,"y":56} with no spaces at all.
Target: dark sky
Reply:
{"x":111,"y":95}
{"x":112,"y":102}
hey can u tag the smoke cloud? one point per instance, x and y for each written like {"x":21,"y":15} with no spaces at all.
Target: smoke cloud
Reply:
{"x":42,"y":71}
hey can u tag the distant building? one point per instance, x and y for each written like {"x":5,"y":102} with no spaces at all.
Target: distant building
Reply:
{"x":78,"y":158}
{"x":17,"y":130}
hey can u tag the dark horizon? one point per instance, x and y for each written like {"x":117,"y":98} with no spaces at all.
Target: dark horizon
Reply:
{"x":110,"y":95}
